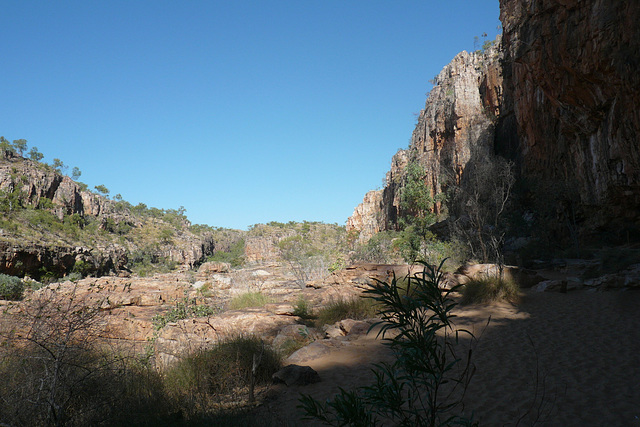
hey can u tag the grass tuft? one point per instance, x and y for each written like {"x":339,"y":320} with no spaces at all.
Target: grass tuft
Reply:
{"x":358,"y":308}
{"x":221,"y":372}
{"x":488,"y":289}
{"x":249,"y":299}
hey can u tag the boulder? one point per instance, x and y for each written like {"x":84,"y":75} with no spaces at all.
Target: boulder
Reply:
{"x":296,"y":375}
{"x":312,"y":351}
{"x":354,"y":327}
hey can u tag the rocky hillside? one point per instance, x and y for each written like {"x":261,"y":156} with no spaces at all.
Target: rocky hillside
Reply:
{"x":556,"y":96}
{"x":52,"y":226}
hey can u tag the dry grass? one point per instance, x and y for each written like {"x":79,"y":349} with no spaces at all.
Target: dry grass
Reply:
{"x":357,"y":309}
{"x":248,"y":300}
{"x":488,"y":289}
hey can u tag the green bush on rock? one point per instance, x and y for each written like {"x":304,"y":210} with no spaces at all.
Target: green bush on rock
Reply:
{"x":11,"y":287}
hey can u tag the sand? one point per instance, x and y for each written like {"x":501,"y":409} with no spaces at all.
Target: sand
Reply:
{"x":553,"y":359}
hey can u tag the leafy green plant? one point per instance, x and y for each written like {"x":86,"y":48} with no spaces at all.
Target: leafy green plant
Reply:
{"x":11,"y":287}
{"x":489,"y":288}
{"x":425,"y":385}
{"x":303,"y":308}
{"x":249,"y":299}
{"x":234,"y":256}
{"x":184,"y":309}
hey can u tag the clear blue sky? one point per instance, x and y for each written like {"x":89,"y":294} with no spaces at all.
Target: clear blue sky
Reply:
{"x":243,"y":112}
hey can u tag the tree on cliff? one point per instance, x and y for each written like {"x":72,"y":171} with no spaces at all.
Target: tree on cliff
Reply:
{"x":102,"y":189}
{"x":416,"y":214}
{"x":75,"y":173}
{"x":18,"y":146}
{"x":59,"y":165}
{"x":35,"y":155}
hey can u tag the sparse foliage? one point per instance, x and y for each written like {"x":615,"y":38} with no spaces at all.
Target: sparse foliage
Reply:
{"x":75,"y":173}
{"x":488,"y":289}
{"x":59,"y":166}
{"x":35,"y":155}
{"x":426,"y":383}
{"x":480,"y":205}
{"x":102,"y":189}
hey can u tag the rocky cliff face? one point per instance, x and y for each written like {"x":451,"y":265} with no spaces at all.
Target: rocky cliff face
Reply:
{"x":30,"y":243}
{"x":558,"y":95}
{"x":34,"y":182}
{"x":456,"y":127}
{"x":571,"y":73}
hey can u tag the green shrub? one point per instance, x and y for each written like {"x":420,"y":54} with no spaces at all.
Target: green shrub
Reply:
{"x":234,"y":256}
{"x":249,"y":299}
{"x":185,"y":309}
{"x":72,"y":277}
{"x":409,"y":391}
{"x":83,"y":268}
{"x":302,"y":308}
{"x":490,"y":288}
{"x":356,"y":308}
{"x":11,"y":287}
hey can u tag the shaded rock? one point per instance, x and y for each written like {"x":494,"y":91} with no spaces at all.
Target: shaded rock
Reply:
{"x":571,"y":80}
{"x":312,"y":351}
{"x":566,"y":285}
{"x":333,"y":331}
{"x":354,"y":327}
{"x":291,"y":333}
{"x":525,"y":278}
{"x":296,"y":375}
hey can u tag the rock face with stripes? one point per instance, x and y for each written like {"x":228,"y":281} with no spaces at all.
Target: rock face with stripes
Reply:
{"x":557,"y":94}
{"x":571,"y":75}
{"x":456,"y":126}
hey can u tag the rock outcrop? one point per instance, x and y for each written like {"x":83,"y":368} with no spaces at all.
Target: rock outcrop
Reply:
{"x":558,"y":96}
{"x":33,"y":243}
{"x":572,"y":83}
{"x":457,"y":126}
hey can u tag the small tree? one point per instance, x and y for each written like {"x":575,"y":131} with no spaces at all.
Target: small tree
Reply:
{"x":305,"y":262}
{"x":59,"y":166}
{"x":35,"y":155}
{"x":102,"y":189}
{"x":75,"y":173}
{"x":5,"y":145}
{"x":480,"y":205}
{"x":416,"y":213}
{"x":19,"y":145}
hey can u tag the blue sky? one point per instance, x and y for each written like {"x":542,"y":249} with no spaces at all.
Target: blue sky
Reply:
{"x":243,"y":112}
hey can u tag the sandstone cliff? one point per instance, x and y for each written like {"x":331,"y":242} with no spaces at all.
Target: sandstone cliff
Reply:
{"x":572,"y":83}
{"x":558,"y":96}
{"x":456,"y":126}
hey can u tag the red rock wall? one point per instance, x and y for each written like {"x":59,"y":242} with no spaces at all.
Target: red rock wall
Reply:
{"x":572,"y":74}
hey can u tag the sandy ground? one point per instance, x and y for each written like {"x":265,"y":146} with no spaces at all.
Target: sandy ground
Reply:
{"x":551,"y":360}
